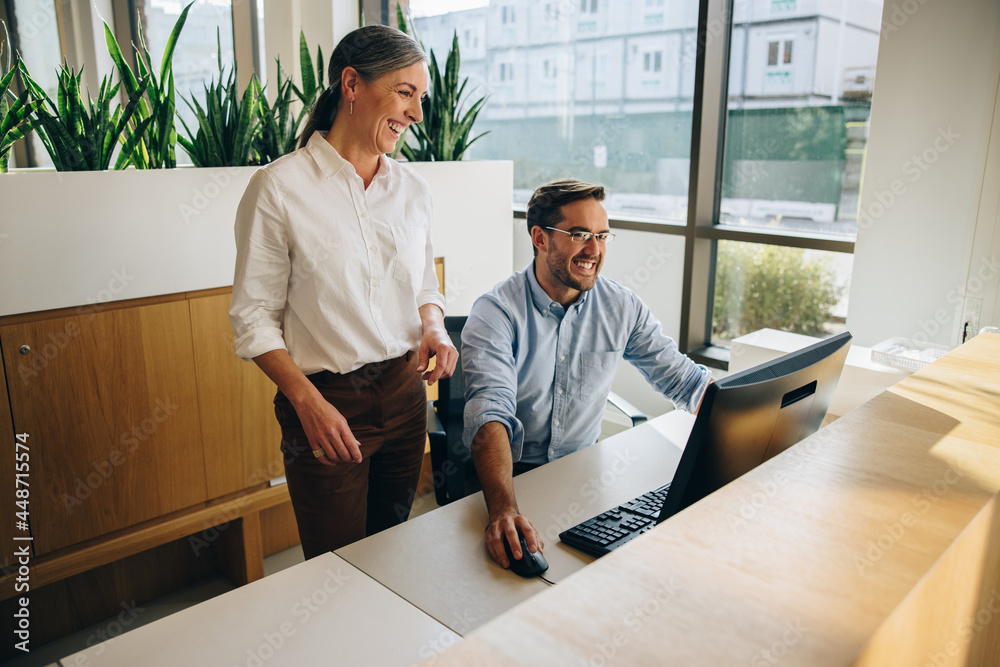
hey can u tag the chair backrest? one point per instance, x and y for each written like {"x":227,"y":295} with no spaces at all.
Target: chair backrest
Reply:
{"x":451,"y":391}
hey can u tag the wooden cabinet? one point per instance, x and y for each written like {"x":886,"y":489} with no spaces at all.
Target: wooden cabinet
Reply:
{"x":7,"y":463}
{"x":239,"y":432}
{"x":110,"y":402}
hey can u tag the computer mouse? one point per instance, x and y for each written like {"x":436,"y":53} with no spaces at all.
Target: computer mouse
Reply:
{"x":530,"y":564}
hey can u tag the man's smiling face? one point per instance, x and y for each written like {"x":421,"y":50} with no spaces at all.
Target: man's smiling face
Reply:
{"x":574,"y":264}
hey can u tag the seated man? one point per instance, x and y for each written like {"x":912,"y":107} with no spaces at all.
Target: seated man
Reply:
{"x":540,"y":350}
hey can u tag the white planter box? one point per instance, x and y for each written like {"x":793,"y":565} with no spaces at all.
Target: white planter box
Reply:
{"x":70,"y":239}
{"x":77,"y":238}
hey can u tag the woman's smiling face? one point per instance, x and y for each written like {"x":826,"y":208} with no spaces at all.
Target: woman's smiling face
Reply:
{"x":388,"y":105}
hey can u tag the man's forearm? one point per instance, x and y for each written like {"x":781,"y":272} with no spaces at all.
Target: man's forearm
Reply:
{"x":494,"y":465}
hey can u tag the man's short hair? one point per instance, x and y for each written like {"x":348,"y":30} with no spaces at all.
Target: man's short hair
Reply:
{"x":544,"y":207}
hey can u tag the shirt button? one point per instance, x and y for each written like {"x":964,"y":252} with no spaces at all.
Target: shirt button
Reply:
{"x":364,"y":214}
{"x":374,"y":248}
{"x":378,"y":318}
{"x":562,"y":357}
{"x":375,"y":284}
{"x":556,"y":422}
{"x":559,"y":391}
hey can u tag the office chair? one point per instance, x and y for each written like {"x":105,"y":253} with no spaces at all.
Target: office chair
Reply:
{"x":453,"y":472}
{"x":451,"y":461}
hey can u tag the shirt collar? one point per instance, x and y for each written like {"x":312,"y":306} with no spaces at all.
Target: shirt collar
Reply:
{"x":331,"y":163}
{"x":541,"y":299}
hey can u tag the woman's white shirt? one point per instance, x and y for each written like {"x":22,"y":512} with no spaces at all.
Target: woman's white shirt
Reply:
{"x":328,"y":270}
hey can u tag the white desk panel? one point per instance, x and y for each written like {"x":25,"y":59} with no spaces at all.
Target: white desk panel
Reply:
{"x":320,"y":612}
{"x":439,"y":562}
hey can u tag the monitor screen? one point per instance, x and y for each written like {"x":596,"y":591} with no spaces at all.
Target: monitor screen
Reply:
{"x":751,"y":416}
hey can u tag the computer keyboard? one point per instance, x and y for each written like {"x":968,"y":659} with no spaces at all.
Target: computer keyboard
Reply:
{"x":609,"y":530}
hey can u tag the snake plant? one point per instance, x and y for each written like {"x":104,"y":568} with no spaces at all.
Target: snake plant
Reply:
{"x":80,"y":136}
{"x":227,"y":124}
{"x":152,"y":137}
{"x":278,"y":132}
{"x":444,"y":132}
{"x":312,"y":84}
{"x":15,"y":110}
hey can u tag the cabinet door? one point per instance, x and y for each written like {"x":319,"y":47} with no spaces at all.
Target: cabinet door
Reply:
{"x":9,"y":452}
{"x":238,"y":426}
{"x":110,"y":403}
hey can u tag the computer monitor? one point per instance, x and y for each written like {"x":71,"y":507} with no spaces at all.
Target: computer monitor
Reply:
{"x":751,"y":416}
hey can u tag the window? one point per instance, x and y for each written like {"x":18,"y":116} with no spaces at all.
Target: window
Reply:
{"x":653,"y":62}
{"x":789,"y":149}
{"x":794,"y":149}
{"x":647,"y":142}
{"x":779,"y":52}
{"x":772,"y":53}
{"x":761,"y":286}
{"x":46,"y":33}
{"x":508,"y":15}
{"x":37,"y":39}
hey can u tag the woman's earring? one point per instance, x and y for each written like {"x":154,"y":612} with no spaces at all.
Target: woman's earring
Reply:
{"x":352,"y":107}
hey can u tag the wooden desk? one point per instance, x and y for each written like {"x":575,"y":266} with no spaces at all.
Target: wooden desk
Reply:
{"x":846,"y":549}
{"x":439,"y":561}
{"x":320,"y":612}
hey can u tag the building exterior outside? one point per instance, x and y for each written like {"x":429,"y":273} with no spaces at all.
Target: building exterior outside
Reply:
{"x":603,"y":90}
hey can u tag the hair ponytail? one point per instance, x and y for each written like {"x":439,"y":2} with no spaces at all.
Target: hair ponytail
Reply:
{"x":322,"y":114}
{"x":372,"y":51}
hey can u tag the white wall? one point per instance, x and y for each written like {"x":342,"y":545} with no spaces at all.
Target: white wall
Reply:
{"x":982,"y":284}
{"x":472,"y":209}
{"x":922,"y":197}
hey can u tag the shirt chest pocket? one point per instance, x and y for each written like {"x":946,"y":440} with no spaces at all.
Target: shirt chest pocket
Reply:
{"x":410,"y":245}
{"x":595,"y":371}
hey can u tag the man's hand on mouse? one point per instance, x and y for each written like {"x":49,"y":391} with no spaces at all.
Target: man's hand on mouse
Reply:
{"x":510,"y":524}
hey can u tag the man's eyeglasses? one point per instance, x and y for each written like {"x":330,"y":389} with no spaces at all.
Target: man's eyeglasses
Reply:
{"x":584,"y":237}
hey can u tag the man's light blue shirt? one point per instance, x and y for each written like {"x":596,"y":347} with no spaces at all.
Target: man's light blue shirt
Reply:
{"x":544,"y":371}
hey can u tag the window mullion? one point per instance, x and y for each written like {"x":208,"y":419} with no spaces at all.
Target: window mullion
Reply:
{"x":244,"y":16}
{"x":705,"y":192}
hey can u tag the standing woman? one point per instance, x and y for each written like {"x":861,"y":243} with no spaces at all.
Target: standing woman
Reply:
{"x":336,"y":299}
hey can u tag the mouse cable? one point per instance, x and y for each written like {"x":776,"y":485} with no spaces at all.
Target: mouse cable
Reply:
{"x":550,"y":583}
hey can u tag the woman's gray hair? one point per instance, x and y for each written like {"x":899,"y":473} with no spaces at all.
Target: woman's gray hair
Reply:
{"x":373,"y":51}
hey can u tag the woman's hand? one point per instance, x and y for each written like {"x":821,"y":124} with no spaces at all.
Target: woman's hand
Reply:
{"x":435,"y":343}
{"x":328,"y":431}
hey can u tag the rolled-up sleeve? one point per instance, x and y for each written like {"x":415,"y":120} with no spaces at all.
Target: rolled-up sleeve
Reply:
{"x":490,"y":373}
{"x":430,"y":289}
{"x":260,"y":284}
{"x":659,"y":360}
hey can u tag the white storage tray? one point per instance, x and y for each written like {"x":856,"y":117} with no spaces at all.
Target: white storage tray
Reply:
{"x":906,"y":353}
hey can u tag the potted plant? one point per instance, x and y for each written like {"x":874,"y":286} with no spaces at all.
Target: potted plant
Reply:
{"x":153,"y":136}
{"x":227,"y":124}
{"x":443,"y":135}
{"x":78,"y":136}
{"x":15,"y":110}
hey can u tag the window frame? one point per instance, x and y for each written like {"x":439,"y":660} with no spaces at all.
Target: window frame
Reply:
{"x":124,"y":27}
{"x":703,"y":229}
